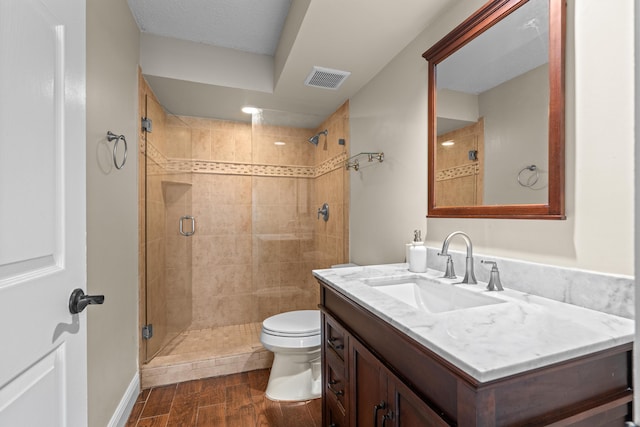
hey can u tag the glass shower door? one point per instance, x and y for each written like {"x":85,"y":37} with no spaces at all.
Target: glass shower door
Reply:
{"x":169,"y":226}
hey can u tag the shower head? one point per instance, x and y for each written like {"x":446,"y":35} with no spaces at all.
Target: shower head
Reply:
{"x":316,"y":138}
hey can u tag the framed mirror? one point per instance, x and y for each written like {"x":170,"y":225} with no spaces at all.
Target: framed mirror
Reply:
{"x":496,"y":114}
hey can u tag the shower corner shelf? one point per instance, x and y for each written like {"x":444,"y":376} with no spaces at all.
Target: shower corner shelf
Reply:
{"x":174,"y":186}
{"x":166,"y":182}
{"x":353,"y":162}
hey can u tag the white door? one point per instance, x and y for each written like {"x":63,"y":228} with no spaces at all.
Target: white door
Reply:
{"x":43,"y":373}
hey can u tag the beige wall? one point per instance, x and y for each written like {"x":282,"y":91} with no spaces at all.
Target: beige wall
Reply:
{"x":457,"y":105}
{"x":112,"y":223}
{"x":390,"y":114}
{"x":208,"y":64}
{"x":515,"y":135}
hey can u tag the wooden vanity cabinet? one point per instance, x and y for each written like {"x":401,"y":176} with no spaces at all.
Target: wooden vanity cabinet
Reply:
{"x":375,"y":375}
{"x":380,"y":398}
{"x":352,"y":375}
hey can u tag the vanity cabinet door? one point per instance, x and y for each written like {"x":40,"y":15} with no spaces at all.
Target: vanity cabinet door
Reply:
{"x":368,"y":384}
{"x":408,"y":409}
{"x":382,"y":399}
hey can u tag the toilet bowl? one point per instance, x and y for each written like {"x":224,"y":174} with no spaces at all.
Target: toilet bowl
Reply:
{"x":294,"y":339}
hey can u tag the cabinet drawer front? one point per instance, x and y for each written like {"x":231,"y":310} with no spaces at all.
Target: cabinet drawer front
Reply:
{"x":336,"y":363}
{"x":336,"y":387}
{"x":336,"y":416}
{"x":334,"y":338}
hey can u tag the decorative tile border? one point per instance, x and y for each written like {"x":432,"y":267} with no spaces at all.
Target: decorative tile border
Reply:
{"x":288,"y":171}
{"x":163,"y":163}
{"x":332,"y":164}
{"x":458,"y":172}
{"x":202,"y":166}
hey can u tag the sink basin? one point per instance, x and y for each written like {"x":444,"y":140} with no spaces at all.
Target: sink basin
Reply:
{"x":430,"y":295}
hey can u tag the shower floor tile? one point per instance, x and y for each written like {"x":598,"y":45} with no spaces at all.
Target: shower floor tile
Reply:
{"x":206,"y":353}
{"x":221,"y":341}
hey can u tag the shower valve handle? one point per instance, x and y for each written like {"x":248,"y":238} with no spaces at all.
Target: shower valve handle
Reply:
{"x":324,"y":211}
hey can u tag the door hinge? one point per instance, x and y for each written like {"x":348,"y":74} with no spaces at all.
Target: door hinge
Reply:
{"x":146,"y":124}
{"x":147,"y":332}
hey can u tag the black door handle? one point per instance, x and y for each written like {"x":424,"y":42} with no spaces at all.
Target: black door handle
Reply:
{"x":79,"y":301}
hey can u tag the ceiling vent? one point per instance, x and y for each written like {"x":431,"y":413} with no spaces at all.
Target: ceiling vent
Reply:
{"x":326,"y":78}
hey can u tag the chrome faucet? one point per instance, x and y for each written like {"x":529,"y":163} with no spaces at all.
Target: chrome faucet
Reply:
{"x":469,"y":276}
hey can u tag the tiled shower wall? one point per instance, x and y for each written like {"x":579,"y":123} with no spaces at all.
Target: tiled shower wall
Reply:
{"x":255,"y":204}
{"x":332,"y":186}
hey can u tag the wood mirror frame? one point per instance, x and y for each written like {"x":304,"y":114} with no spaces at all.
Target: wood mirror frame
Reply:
{"x":483,"y":20}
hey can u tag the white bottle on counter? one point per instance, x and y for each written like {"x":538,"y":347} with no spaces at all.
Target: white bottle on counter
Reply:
{"x":418,"y":258}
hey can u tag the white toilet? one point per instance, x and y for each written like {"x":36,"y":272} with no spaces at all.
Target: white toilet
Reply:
{"x":294,"y":338}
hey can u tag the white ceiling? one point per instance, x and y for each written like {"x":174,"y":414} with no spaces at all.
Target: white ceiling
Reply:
{"x":515,"y":45}
{"x":246,"y":25}
{"x":359,"y":36}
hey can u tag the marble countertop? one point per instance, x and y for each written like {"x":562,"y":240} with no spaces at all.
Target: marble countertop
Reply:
{"x":491,"y":341}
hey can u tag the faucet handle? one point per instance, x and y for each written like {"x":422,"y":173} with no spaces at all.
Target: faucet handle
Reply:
{"x":449,"y":271}
{"x":494,"y":279}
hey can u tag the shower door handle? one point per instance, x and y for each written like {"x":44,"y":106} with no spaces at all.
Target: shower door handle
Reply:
{"x":193,"y":226}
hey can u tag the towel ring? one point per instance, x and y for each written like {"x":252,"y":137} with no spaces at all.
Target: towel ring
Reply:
{"x":112,"y":136}
{"x":532,"y":179}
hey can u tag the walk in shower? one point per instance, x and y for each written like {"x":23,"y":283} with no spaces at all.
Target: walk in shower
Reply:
{"x":253,"y":190}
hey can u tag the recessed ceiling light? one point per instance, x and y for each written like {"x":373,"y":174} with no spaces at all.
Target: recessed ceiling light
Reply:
{"x":279,"y":143}
{"x":447,"y":143}
{"x":248,"y":109}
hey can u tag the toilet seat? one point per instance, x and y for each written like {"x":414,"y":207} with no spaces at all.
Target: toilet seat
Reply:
{"x":301,"y":323}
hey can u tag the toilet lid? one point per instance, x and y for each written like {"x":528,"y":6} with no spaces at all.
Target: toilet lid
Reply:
{"x":293,"y":323}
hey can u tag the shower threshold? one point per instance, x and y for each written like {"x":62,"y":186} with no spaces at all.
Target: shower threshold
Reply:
{"x":204,"y":353}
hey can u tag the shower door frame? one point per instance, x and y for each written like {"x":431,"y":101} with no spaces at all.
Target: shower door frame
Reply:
{"x":157,"y":331}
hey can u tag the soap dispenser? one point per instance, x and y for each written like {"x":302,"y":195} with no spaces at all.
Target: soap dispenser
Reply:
{"x":417,"y":254}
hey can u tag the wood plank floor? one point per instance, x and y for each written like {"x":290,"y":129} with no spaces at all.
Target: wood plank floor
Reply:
{"x":236,"y":400}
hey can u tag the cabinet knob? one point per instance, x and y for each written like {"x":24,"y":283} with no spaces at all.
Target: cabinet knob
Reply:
{"x":334,"y":391}
{"x":387,"y":416}
{"x":331,"y":341}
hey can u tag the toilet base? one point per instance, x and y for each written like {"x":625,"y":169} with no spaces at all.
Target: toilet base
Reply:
{"x":295,"y":377}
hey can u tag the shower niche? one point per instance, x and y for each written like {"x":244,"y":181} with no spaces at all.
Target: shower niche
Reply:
{"x":253,"y":189}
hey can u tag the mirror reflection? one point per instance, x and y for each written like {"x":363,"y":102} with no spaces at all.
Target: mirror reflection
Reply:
{"x":492,"y":114}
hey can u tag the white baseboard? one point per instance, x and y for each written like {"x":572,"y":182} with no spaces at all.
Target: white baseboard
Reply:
{"x":121,"y":415}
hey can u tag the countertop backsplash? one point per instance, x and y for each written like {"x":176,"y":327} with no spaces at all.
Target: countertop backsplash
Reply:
{"x":612,"y":294}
